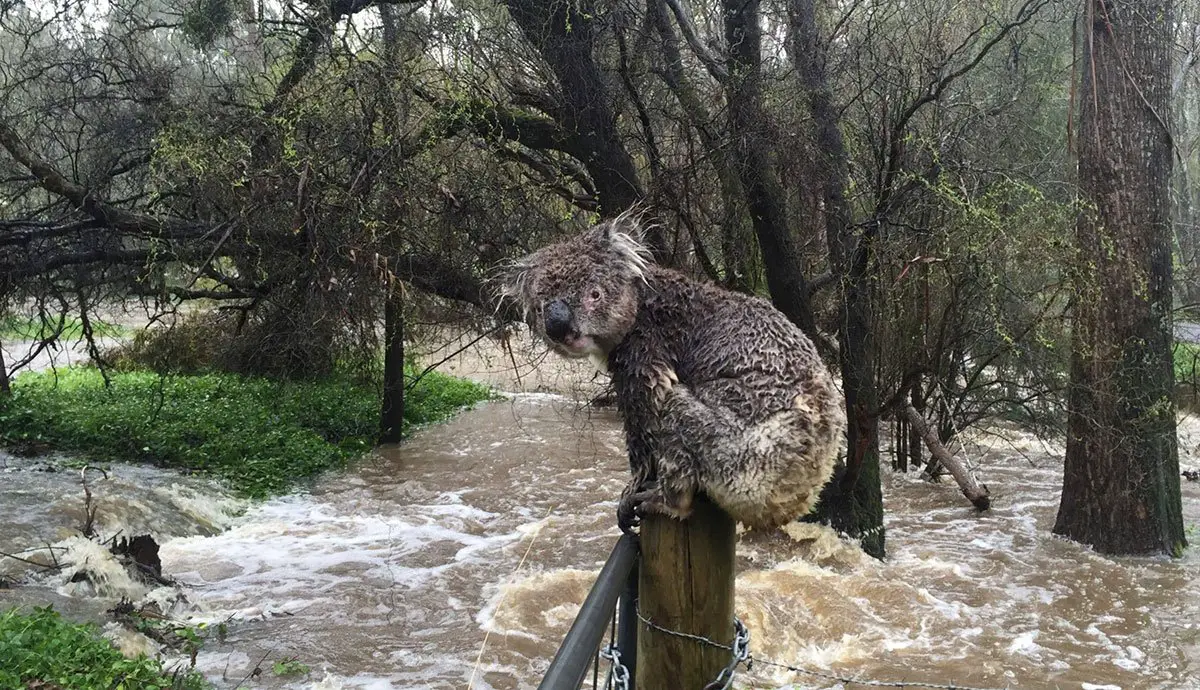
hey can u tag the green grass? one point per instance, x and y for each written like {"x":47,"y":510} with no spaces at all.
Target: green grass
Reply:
{"x":28,"y":328}
{"x":260,"y":435}
{"x":43,"y":647}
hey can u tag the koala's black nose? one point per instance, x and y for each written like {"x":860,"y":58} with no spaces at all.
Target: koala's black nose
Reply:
{"x":558,"y":320}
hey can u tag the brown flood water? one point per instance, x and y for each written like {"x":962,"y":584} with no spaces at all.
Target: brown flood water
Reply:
{"x":486,"y":533}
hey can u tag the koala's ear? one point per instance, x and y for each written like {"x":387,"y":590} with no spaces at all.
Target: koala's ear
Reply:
{"x":513,"y":281}
{"x":629,"y":223}
{"x":623,"y":237}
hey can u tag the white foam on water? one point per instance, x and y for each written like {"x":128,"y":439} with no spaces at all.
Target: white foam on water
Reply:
{"x":288,"y":545}
{"x":536,"y":397}
{"x":131,"y":643}
{"x":212,"y":509}
{"x":331,"y":681}
{"x":1025,"y":644}
{"x":102,"y":574}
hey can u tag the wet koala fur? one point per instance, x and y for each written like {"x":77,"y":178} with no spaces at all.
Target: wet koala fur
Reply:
{"x":719,"y":391}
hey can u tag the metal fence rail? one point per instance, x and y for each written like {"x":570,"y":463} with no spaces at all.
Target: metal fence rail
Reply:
{"x":580,"y":649}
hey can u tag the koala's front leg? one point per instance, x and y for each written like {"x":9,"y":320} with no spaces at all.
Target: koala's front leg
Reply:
{"x":669,"y":492}
{"x":664,"y":473}
{"x":653,"y":497}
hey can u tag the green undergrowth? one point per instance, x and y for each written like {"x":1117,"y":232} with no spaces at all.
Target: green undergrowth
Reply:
{"x":40,"y":649}
{"x":1187,"y":363}
{"x":262,"y":436}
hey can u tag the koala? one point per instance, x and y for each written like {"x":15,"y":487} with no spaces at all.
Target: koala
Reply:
{"x":719,"y":392}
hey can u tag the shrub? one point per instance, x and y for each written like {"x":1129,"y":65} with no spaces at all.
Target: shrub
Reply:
{"x":40,"y":649}
{"x":190,"y":346}
{"x":1187,"y":362}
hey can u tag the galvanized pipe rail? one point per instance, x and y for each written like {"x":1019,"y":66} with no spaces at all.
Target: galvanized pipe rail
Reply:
{"x":617,"y":581}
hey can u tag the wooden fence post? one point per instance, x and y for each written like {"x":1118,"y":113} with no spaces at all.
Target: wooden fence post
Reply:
{"x":685,"y":584}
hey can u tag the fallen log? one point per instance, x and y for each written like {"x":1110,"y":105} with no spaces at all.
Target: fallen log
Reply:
{"x":976,"y":494}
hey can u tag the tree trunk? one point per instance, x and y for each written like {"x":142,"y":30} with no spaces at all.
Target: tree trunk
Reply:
{"x":854,"y":501}
{"x":900,"y":445}
{"x":5,"y":385}
{"x":752,"y":146}
{"x":391,"y":417}
{"x":736,"y":242}
{"x":977,"y":495}
{"x":1121,"y":478}
{"x":914,"y":438}
{"x":564,"y":33}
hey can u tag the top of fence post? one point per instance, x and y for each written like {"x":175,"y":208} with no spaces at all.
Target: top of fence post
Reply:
{"x":686,"y":585}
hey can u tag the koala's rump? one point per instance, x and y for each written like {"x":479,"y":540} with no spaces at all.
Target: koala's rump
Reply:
{"x":769,"y":472}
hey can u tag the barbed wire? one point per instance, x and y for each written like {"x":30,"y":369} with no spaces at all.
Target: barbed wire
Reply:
{"x":741,"y":654}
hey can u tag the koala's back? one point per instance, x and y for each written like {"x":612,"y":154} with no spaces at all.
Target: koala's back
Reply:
{"x":741,"y":346}
{"x":753,"y":413}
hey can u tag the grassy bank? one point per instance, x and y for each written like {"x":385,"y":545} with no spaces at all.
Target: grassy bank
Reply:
{"x":42,"y":650}
{"x":262,"y":436}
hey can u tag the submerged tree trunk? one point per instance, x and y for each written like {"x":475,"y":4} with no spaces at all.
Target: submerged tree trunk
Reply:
{"x":391,"y":418}
{"x":853,"y":503}
{"x":976,"y":494}
{"x":1121,"y":483}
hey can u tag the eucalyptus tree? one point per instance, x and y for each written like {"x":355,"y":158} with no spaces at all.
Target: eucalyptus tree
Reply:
{"x":1121,"y":489}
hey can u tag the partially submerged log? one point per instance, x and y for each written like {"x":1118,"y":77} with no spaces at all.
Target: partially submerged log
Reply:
{"x":976,"y":494}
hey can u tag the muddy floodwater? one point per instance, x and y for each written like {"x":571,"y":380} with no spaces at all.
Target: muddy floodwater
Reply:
{"x":463,"y":555}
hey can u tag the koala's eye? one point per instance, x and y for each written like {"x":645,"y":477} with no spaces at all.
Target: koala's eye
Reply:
{"x":597,"y":294}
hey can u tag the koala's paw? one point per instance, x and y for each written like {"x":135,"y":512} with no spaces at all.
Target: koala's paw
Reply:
{"x":627,"y":517}
{"x":638,"y":504}
{"x":633,"y":507}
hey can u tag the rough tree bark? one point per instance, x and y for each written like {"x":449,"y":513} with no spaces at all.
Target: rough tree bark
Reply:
{"x":1121,"y":482}
{"x":753,"y":143}
{"x":853,"y":501}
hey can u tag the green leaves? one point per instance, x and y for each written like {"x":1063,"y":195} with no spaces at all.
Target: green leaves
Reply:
{"x":290,"y":667}
{"x":41,"y":646}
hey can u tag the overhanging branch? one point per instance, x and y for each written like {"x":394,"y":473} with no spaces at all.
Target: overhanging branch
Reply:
{"x":53,"y":181}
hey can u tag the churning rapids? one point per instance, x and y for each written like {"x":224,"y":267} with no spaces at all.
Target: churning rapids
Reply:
{"x":487,"y":531}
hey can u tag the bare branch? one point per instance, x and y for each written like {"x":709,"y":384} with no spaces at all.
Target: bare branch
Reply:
{"x":687,"y":27}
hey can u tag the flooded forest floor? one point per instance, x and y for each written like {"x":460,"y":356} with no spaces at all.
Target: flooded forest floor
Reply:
{"x":462,"y":556}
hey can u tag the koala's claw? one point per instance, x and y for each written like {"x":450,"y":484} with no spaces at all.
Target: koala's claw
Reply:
{"x":636,"y":505}
{"x":628,"y":514}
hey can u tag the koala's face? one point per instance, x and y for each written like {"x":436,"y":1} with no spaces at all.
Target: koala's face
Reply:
{"x":581,"y":295}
